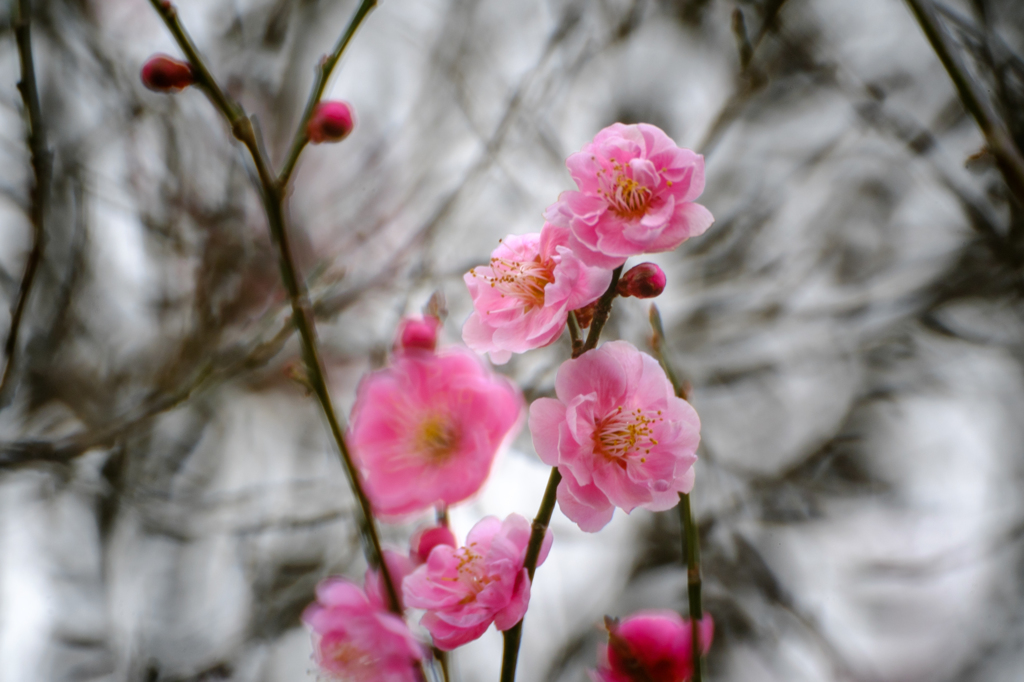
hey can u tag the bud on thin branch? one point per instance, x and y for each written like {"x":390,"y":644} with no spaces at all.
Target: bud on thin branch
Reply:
{"x":330,"y":122}
{"x":646,"y":280}
{"x":161,"y":73}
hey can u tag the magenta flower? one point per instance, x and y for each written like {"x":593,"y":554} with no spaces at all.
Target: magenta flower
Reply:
{"x":617,"y":433}
{"x":464,"y":590}
{"x":357,"y":641}
{"x":522,"y":298}
{"x":651,"y":646}
{"x":425,"y":429}
{"x":636,"y":194}
{"x":417,"y":333}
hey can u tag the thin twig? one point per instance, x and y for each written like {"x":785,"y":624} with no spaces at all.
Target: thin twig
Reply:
{"x":243,"y":129}
{"x":21,"y":11}
{"x":1008,"y":156}
{"x":514,"y":635}
{"x":323,"y":74}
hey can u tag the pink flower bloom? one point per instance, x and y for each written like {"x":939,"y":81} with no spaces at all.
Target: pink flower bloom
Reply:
{"x":401,"y":566}
{"x":522,"y":298}
{"x":464,"y":590}
{"x":357,"y":641}
{"x":651,"y":646}
{"x":425,"y":429}
{"x":636,"y":193}
{"x":617,"y":433}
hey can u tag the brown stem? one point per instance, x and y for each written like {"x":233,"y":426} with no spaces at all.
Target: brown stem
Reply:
{"x":244,"y":131}
{"x":21,"y":12}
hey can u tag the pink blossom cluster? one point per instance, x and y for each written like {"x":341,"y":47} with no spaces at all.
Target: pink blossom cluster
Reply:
{"x":636,"y":192}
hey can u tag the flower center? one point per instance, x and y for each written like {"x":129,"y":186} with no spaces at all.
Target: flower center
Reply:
{"x":623,"y":433}
{"x":626,"y":197}
{"x":437,"y":438}
{"x":351,"y":662}
{"x":523,"y":280}
{"x":471,"y":573}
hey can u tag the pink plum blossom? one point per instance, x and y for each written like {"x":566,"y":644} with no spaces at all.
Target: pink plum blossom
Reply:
{"x":617,"y":433}
{"x":464,"y":590}
{"x":401,"y":566}
{"x":651,"y":646}
{"x":636,"y":195}
{"x":522,"y":298}
{"x":356,"y":640}
{"x":646,"y":280}
{"x":425,"y":429}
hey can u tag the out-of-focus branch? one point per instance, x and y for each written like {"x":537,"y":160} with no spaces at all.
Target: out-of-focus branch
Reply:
{"x":21,"y":11}
{"x":244,"y":130}
{"x":323,"y":73}
{"x":1008,"y":157}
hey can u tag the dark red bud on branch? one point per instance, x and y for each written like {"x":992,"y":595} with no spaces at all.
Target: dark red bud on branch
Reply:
{"x":330,"y":122}
{"x":161,"y":73}
{"x":646,"y":280}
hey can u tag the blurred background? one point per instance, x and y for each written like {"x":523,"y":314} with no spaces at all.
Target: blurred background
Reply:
{"x":852,"y":327}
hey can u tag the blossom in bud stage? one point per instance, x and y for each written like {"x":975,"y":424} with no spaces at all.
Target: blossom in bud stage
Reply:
{"x":636,"y":194}
{"x":330,"y":122}
{"x":358,"y":641}
{"x":522,"y":298}
{"x":646,"y":280}
{"x":651,"y":646}
{"x":161,"y":73}
{"x":464,"y":590}
{"x":424,"y":541}
{"x":417,"y":333}
{"x":425,"y":429}
{"x":617,"y":433}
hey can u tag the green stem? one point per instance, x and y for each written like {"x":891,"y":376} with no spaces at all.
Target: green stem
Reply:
{"x":514,"y":635}
{"x":21,"y":12}
{"x":302,"y":316}
{"x":575,"y":333}
{"x":691,"y":534}
{"x":323,"y":74}
{"x":1008,"y":157}
{"x":691,"y":556}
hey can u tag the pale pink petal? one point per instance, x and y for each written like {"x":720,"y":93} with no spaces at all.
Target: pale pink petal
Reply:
{"x":586,"y":506}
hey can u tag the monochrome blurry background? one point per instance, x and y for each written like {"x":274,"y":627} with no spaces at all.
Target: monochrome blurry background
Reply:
{"x":852,"y":326}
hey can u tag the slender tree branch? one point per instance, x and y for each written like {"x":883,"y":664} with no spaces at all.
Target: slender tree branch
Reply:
{"x":323,"y":74}
{"x":514,"y":635}
{"x":21,"y":11}
{"x":691,"y":534}
{"x":575,"y":333}
{"x":243,"y":129}
{"x":1008,"y":156}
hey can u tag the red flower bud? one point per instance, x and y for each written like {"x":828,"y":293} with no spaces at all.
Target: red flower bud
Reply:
{"x":585,"y":315}
{"x":418,"y":333}
{"x":330,"y":122}
{"x":643,"y":281}
{"x":161,"y":73}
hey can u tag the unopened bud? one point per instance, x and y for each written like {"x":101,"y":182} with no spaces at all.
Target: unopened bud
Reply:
{"x":161,"y":73}
{"x":425,"y":540}
{"x":646,"y":280}
{"x":418,"y":333}
{"x":330,"y":122}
